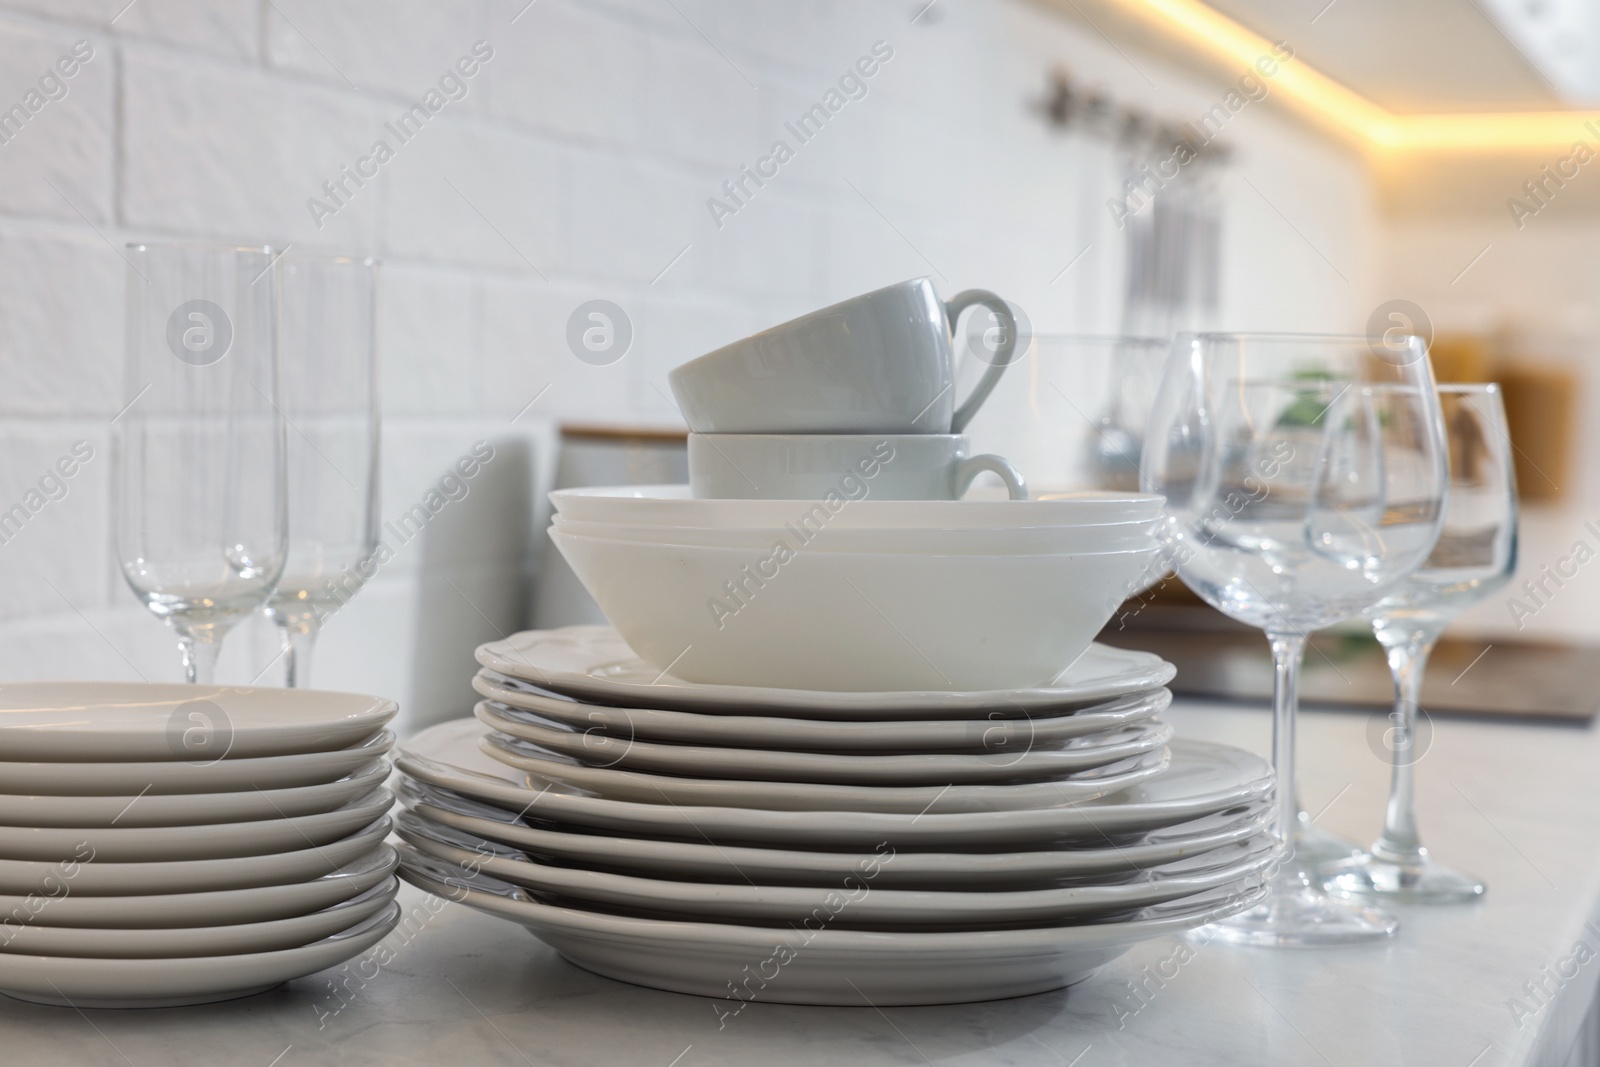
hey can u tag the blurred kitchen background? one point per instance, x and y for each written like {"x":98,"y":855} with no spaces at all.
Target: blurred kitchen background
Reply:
{"x":601,"y":150}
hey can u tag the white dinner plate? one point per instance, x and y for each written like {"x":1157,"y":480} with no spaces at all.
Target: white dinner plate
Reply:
{"x":60,"y":906}
{"x":992,"y":730}
{"x":135,"y":777}
{"x":773,"y":866}
{"x":593,"y":663}
{"x":858,"y":968}
{"x":1201,"y":778}
{"x":615,"y":784}
{"x":188,"y":809}
{"x":109,"y":721}
{"x":145,"y":943}
{"x":91,"y":876}
{"x":116,"y":844}
{"x":1005,"y":764}
{"x":142,"y":983}
{"x":869,"y":905}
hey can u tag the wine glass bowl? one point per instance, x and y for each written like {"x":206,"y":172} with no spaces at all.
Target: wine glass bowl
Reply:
{"x":1304,"y":477}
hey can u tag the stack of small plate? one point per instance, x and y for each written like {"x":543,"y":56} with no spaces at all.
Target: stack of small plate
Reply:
{"x":165,"y":844}
{"x":821,"y":847}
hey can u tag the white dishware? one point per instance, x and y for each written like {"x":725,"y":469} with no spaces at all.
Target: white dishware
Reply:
{"x":163,"y":983}
{"x":845,"y":467}
{"x":878,"y":622}
{"x":117,"y":844}
{"x":188,"y":809}
{"x":1306,"y":478}
{"x":1065,"y":789}
{"x":184,"y":776}
{"x":737,"y":964}
{"x":1200,"y":779}
{"x":983,"y":733}
{"x":663,"y":858}
{"x":115,"y":721}
{"x":162,"y":943}
{"x":595,"y":663}
{"x":1003,"y":764}
{"x":870,"y":905}
{"x":817,"y":537}
{"x":58,"y":905}
{"x":880,"y":362}
{"x":89,"y":876}
{"x":674,"y":505}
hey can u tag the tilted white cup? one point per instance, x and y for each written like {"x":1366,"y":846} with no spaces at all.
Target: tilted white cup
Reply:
{"x":853,"y":466}
{"x":877,"y":363}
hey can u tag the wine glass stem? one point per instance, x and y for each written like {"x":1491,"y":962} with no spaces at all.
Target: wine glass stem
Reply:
{"x":199,"y":660}
{"x":298,"y":643}
{"x":1287,"y":652}
{"x":1408,"y":652}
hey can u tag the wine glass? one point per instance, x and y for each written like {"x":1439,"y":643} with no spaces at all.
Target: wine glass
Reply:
{"x":1305,"y":479}
{"x":328,"y":354}
{"x":1475,"y":556}
{"x":198,"y":450}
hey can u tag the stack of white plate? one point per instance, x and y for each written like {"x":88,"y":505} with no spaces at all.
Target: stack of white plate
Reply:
{"x":166,"y":844}
{"x":810,"y":846}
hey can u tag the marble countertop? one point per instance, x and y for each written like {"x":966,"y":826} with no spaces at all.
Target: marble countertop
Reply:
{"x":1517,"y":804}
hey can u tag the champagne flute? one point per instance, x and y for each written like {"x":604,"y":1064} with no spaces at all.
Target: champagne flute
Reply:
{"x":198,"y":450}
{"x":1476,"y":555}
{"x":327,"y":350}
{"x":1305,"y":479}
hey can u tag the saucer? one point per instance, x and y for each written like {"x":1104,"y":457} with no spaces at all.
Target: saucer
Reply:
{"x":1200,"y":779}
{"x":776,"y":866}
{"x":638,"y":787}
{"x":984,"y":731}
{"x":1000,"y":765}
{"x":593,"y":663}
{"x":827,"y":965}
{"x":113,"y":721}
{"x":868,"y":905}
{"x":164,"y":983}
{"x":199,"y":776}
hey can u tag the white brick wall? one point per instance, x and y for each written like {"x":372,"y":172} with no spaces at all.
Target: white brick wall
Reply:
{"x":577,"y":166}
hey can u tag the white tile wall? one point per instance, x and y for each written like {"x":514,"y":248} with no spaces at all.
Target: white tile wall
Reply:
{"x":577,"y":166}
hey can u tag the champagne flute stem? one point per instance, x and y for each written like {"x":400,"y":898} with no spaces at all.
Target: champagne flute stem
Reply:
{"x":1408,"y":652}
{"x":199,"y":659}
{"x":1287,"y":652}
{"x":298,"y":644}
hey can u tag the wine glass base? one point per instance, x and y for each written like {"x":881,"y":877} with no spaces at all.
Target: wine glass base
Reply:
{"x":1304,"y":918}
{"x":1316,"y":848}
{"x":1421,"y":881}
{"x":1297,"y":913}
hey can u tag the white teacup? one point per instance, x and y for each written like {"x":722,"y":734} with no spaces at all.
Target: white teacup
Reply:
{"x":876,"y":363}
{"x":853,"y":466}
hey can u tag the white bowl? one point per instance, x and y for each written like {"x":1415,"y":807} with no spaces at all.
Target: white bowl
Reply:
{"x":853,"y":621}
{"x":988,"y":541}
{"x":671,"y":505}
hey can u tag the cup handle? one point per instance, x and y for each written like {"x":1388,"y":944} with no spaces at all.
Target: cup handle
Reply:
{"x":1002,"y":357}
{"x":972,"y":466}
